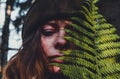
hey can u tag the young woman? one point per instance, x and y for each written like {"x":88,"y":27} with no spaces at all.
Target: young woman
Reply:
{"x":43,"y":39}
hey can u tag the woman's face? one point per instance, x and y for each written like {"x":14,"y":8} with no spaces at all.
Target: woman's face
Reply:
{"x":52,"y":41}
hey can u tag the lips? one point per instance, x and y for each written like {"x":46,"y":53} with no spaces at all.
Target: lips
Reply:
{"x":54,"y":68}
{"x":55,"y":58}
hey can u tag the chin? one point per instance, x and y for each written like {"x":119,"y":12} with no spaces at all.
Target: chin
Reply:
{"x":54,"y":69}
{"x":56,"y":74}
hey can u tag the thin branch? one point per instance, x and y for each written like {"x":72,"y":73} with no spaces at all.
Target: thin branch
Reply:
{"x":6,"y":49}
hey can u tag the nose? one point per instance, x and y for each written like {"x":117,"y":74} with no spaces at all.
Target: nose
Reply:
{"x":61,"y":41}
{"x":61,"y":36}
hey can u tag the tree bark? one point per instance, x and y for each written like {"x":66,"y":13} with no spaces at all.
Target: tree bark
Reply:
{"x":5,"y":33}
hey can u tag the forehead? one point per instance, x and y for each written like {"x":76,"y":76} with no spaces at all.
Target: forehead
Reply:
{"x":58,"y":23}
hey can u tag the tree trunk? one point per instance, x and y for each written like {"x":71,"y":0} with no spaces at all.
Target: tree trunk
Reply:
{"x":5,"y":33}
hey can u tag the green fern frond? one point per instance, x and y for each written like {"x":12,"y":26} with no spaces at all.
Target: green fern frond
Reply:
{"x":79,"y":53}
{"x":97,"y":46}
{"x":109,"y":45}
{"x":82,"y":30}
{"x":112,"y":76}
{"x":102,"y":62}
{"x":107,"y":31}
{"x":106,"y":38}
{"x":83,"y":22}
{"x":80,"y":37}
{"x":81,"y":44}
{"x":78,"y":61}
{"x":110,"y":69}
{"x":104,"y":26}
{"x":109,"y":53}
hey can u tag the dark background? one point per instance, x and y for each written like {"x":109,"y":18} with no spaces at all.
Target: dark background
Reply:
{"x":110,"y":9}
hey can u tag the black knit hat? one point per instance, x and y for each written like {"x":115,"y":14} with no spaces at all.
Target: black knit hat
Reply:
{"x":44,"y":10}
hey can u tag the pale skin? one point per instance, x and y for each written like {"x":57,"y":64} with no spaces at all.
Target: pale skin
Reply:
{"x":53,"y":41}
